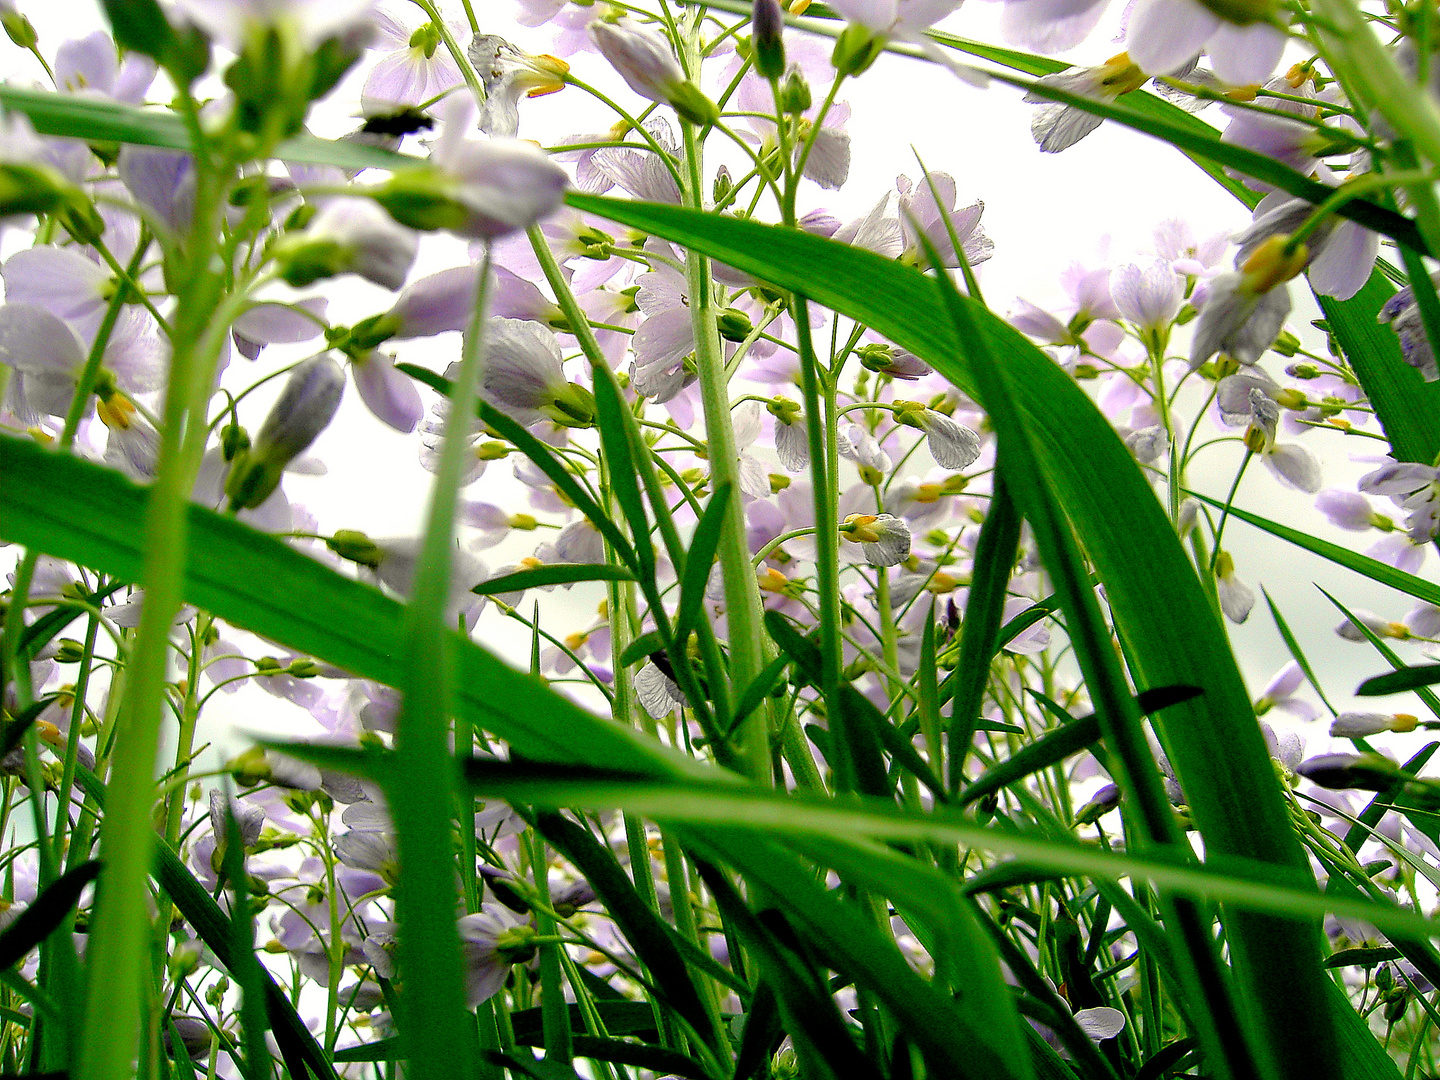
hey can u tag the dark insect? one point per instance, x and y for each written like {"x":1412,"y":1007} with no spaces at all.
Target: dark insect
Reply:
{"x":406,"y":121}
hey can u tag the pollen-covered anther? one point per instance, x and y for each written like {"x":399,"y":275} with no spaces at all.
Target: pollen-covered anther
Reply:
{"x":553,"y":64}
{"x":771,"y":580}
{"x":116,"y":411}
{"x":1274,"y":261}
{"x":857,"y":529}
{"x":1120,"y":74}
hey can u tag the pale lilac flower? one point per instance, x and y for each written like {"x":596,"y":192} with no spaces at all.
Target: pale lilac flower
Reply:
{"x":1162,"y":36}
{"x":1286,"y":746}
{"x":416,"y":68}
{"x":397,"y":571}
{"x":1341,"y":253}
{"x":508,"y":73}
{"x":1423,"y":620}
{"x":642,"y":173}
{"x":645,"y":60}
{"x":389,"y":395}
{"x":884,"y":538}
{"x":1236,"y":598}
{"x":492,"y":940}
{"x":1359,"y":725}
{"x":1413,"y":487}
{"x":1280,"y":693}
{"x":1274,"y":134}
{"x":499,"y":185}
{"x":349,"y":236}
{"x":91,"y":65}
{"x":522,"y":375}
{"x":921,"y":213}
{"x":864,"y":449}
{"x":1050,"y":26}
{"x":1398,"y":550}
{"x":1403,"y":316}
{"x":1346,"y":509}
{"x":657,"y":691}
{"x":1057,"y":126}
{"x":1374,"y":623}
{"x":1150,"y":297}
{"x":1239,"y":320}
{"x":273,"y":323}
{"x":231,"y":22}
{"x":665,"y":338}
{"x":1175,"y":241}
{"x":954,"y":446}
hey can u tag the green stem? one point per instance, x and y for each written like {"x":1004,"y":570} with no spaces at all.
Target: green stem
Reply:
{"x":433,"y":1017}
{"x":117,"y":960}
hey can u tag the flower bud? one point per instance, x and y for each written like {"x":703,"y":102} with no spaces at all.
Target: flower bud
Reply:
{"x":1368,"y":772}
{"x":305,"y":408}
{"x":856,"y":49}
{"x":1274,"y":261}
{"x":18,"y":28}
{"x":348,"y":236}
{"x":1358,"y":725}
{"x":357,"y":547}
{"x":645,"y":61}
{"x":767,"y":24}
{"x":1100,"y":804}
{"x":733,"y":324}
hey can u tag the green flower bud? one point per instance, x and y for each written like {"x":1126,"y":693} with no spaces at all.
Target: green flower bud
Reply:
{"x":572,"y":407}
{"x":304,"y":409}
{"x":733,"y":324}
{"x":768,"y":45}
{"x":856,"y":49}
{"x":795,"y":95}
{"x":357,"y":547}
{"x":18,"y":28}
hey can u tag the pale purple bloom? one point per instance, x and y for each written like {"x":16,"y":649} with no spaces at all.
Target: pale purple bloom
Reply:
{"x":1237,"y":320}
{"x":522,"y":374}
{"x":1236,"y":598}
{"x":1149,"y":297}
{"x":920,"y":212}
{"x":1359,"y":725}
{"x":1403,"y":315}
{"x":1415,"y":488}
{"x":898,"y":18}
{"x":1398,"y":550}
{"x":503,"y":184}
{"x":953,"y":445}
{"x":1163,"y":36}
{"x":1346,"y":509}
{"x":1050,"y":26}
{"x":508,"y":73}
{"x":658,"y":693}
{"x":1294,"y":466}
{"x":230,"y":22}
{"x":274,"y":323}
{"x":91,"y":65}
{"x":1057,"y":126}
{"x":1280,"y":693}
{"x":389,"y":395}
{"x":408,"y":74}
{"x":397,"y":571}
{"x":884,"y":538}
{"x":642,"y":173}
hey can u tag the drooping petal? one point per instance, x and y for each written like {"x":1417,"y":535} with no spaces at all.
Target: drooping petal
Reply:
{"x":391,"y":396}
{"x":1164,"y":35}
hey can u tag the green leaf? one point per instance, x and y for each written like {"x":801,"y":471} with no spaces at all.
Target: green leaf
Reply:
{"x":1396,"y":682}
{"x":104,"y":120}
{"x":620,"y":466}
{"x":1213,"y":742}
{"x":698,"y":563}
{"x":1374,"y":569}
{"x":759,"y":689}
{"x":544,"y":459}
{"x":552,"y":574}
{"x":38,"y":921}
{"x":1407,"y":407}
{"x":1232,"y":880}
{"x":649,"y":937}
{"x":642,"y":647}
{"x":995,"y":554}
{"x":1361,"y":957}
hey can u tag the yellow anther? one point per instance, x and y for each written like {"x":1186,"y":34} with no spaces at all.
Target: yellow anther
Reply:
{"x":116,"y":411}
{"x":771,"y":580}
{"x":1274,"y":261}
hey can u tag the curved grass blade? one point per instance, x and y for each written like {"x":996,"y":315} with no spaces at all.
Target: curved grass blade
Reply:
{"x":1407,"y":407}
{"x":1213,"y":742}
{"x":699,"y":560}
{"x":1374,"y":569}
{"x":1397,"y":682}
{"x":105,"y":120}
{"x":552,"y":574}
{"x":995,"y":554}
{"x":38,"y":921}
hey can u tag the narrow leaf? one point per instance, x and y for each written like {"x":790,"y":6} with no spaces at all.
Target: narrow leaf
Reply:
{"x":552,"y":574}
{"x":41,"y":918}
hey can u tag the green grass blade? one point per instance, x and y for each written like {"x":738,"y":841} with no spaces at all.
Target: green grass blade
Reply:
{"x":995,"y":554}
{"x":698,"y":563}
{"x":552,"y":574}
{"x":1407,"y":407}
{"x":1374,"y":569}
{"x":1407,"y":678}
